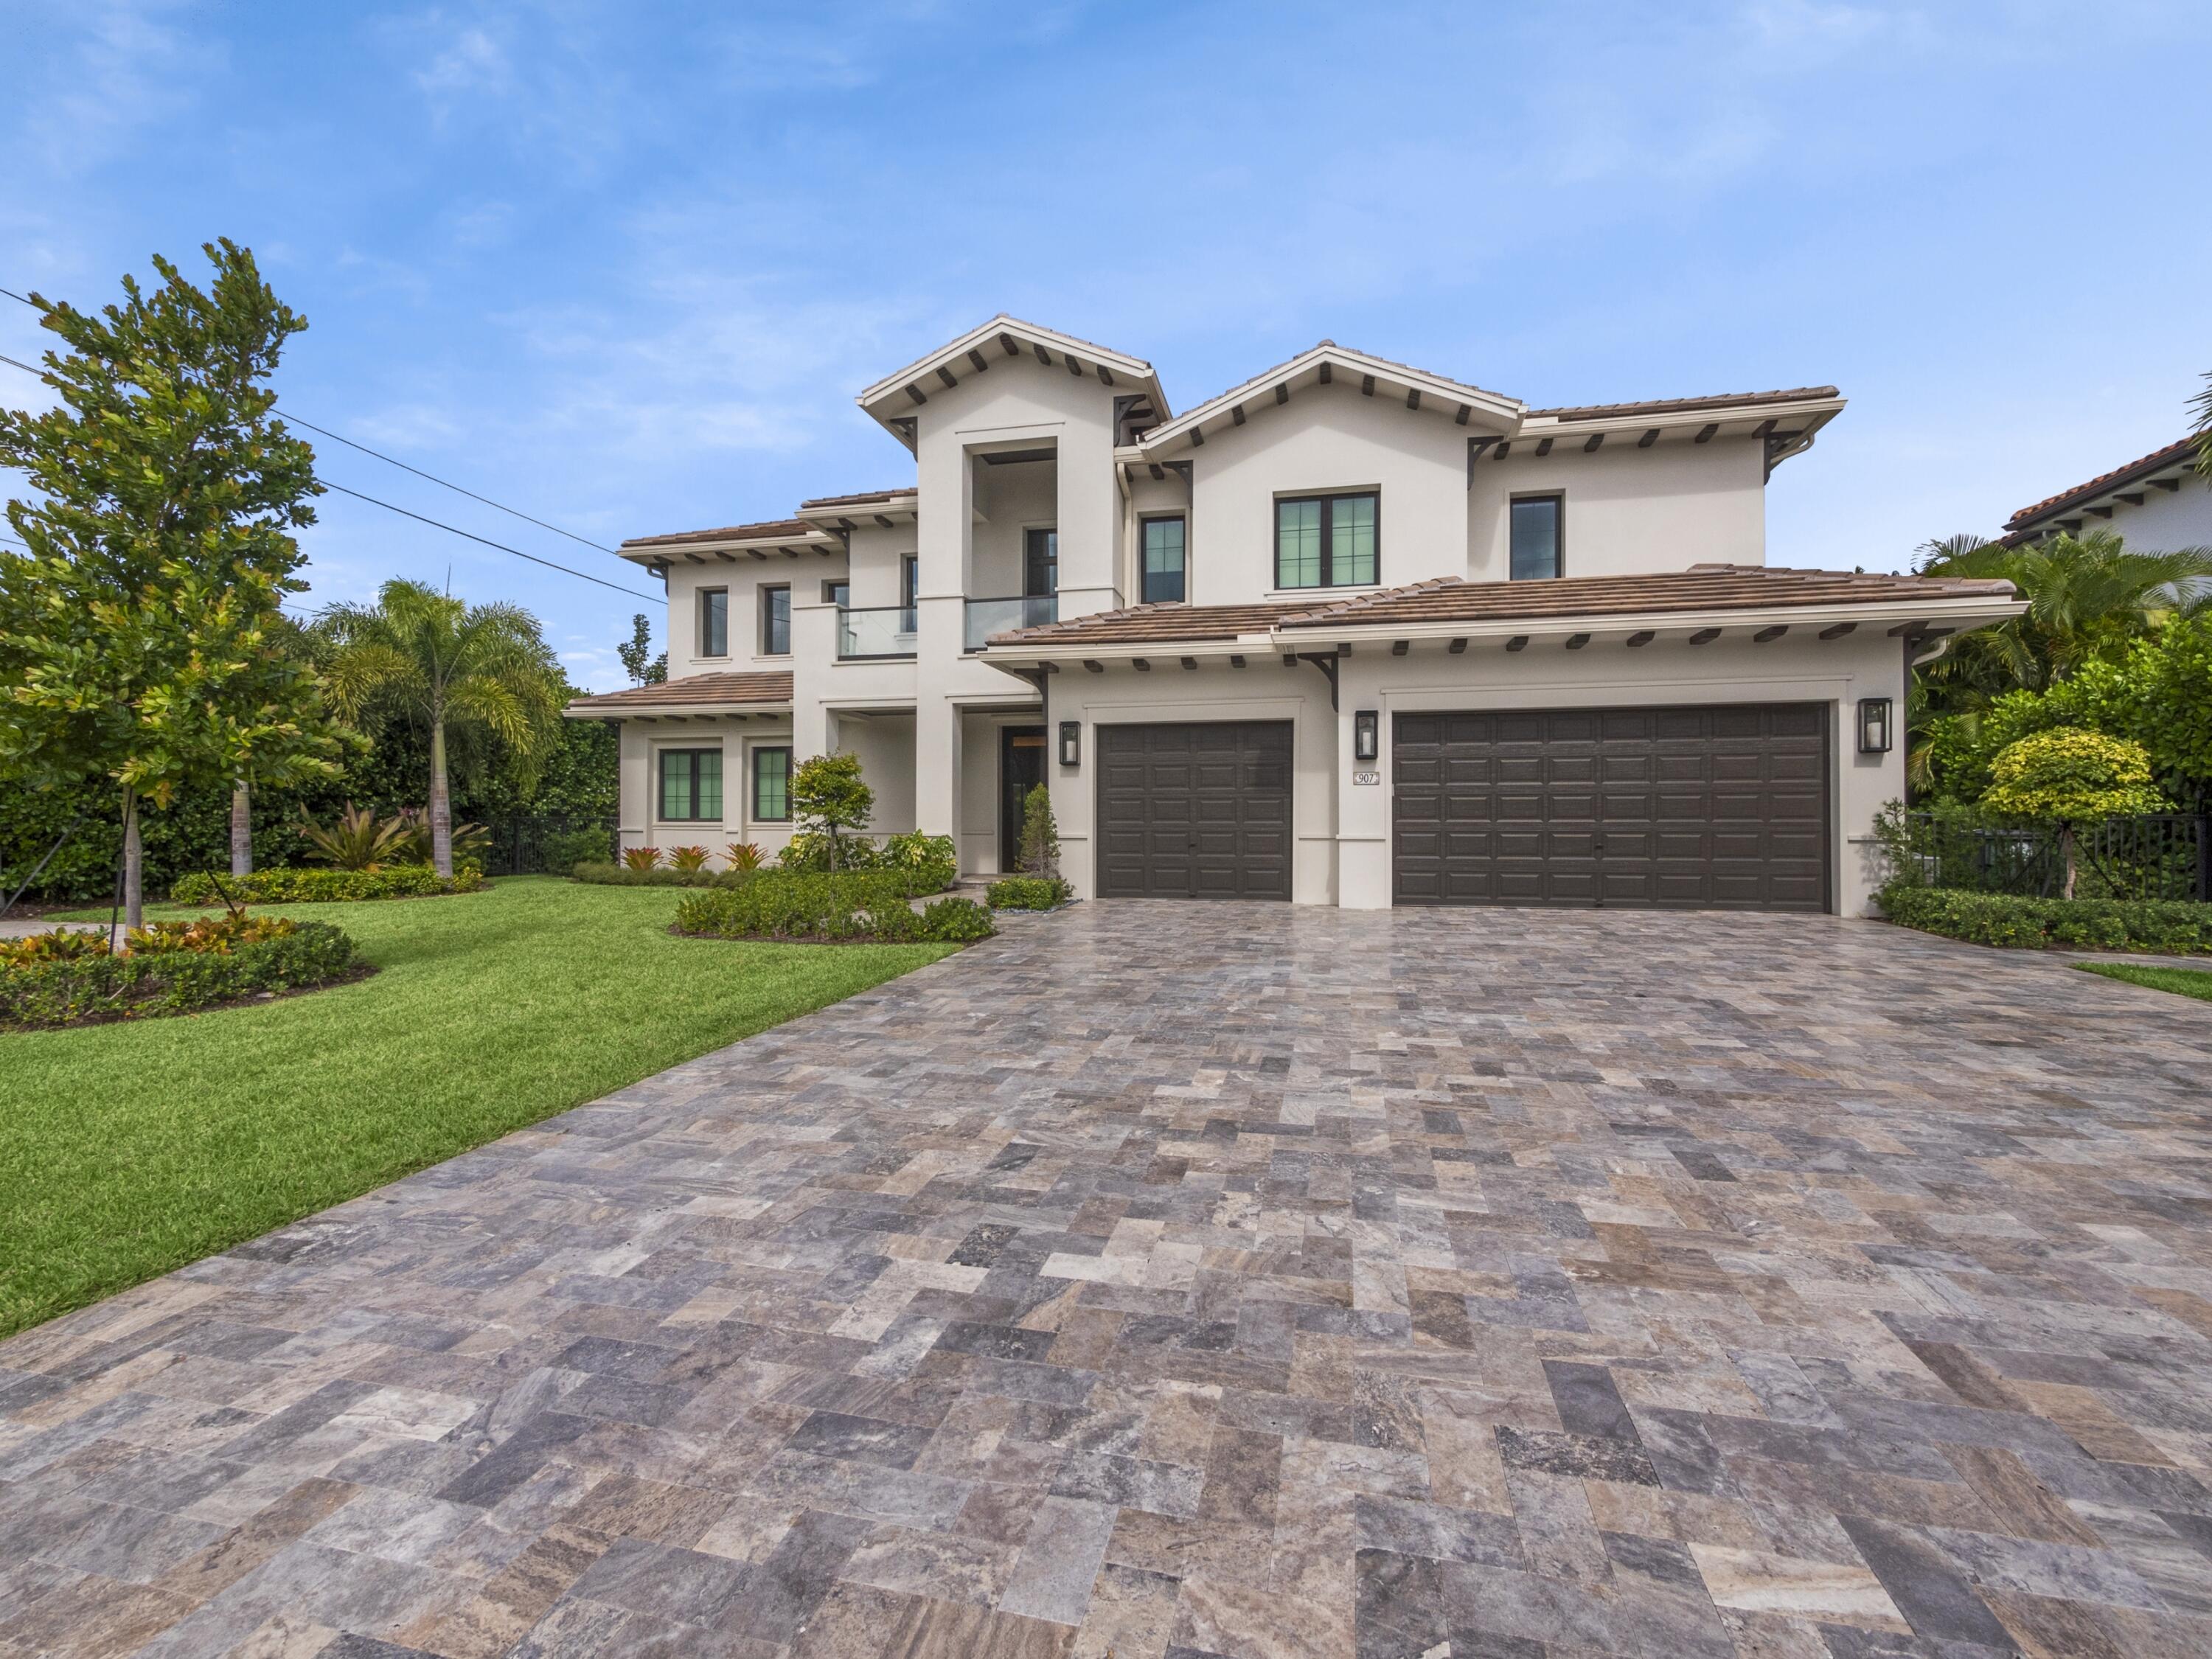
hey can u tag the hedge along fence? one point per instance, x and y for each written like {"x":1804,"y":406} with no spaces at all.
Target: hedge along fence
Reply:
{"x":872,"y":905}
{"x":81,"y":982}
{"x":2163,"y":925}
{"x":289,"y":886}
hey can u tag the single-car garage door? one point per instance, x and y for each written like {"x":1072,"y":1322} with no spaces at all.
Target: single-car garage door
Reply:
{"x":1692,"y":809}
{"x":1200,"y":810}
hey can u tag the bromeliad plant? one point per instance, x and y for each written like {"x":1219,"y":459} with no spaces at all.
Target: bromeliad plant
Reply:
{"x":687,"y":859}
{"x":744,"y":855}
{"x":640,"y":858}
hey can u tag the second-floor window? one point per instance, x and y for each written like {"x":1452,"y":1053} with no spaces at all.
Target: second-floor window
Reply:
{"x":714,"y":622}
{"x":1327,"y":541}
{"x":776,"y":621}
{"x":1163,"y":560}
{"x":1535,"y":538}
{"x":691,"y":786}
{"x":839,"y":591}
{"x":909,"y":580}
{"x":1040,"y":562}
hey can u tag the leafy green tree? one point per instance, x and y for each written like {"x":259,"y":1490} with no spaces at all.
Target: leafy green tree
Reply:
{"x":444,"y":663}
{"x":826,"y":793}
{"x":2067,"y":776}
{"x":1040,"y":848}
{"x":637,"y":653}
{"x":137,"y":630}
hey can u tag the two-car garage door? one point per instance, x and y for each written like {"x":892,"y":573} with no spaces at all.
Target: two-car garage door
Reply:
{"x":1701,"y":808}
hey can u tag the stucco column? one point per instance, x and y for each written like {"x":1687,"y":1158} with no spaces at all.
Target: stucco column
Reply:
{"x":1089,"y":517}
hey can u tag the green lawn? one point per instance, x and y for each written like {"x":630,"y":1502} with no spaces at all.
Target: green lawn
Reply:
{"x":130,"y":1149}
{"x":2184,"y":982}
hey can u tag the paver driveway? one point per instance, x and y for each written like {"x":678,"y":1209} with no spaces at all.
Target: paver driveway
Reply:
{"x":1238,"y":1281}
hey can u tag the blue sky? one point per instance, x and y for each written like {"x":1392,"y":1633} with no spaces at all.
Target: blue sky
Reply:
{"x":624,"y":266}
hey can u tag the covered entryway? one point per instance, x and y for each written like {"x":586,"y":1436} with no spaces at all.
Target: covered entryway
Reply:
{"x":1693,"y":809}
{"x":1195,"y":810}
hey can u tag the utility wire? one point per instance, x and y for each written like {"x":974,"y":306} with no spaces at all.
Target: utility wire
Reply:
{"x":436,"y":524}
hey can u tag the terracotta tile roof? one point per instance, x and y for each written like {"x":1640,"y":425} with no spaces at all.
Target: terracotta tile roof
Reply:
{"x":1679,"y":406}
{"x":859,"y":500}
{"x":1165,"y":622}
{"x":1449,"y":599}
{"x":794,"y":528}
{"x":693,"y":691}
{"x":1701,"y":587}
{"x":2156,"y":461}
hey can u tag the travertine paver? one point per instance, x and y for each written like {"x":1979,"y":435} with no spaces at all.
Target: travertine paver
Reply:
{"x":1218,"y":1280}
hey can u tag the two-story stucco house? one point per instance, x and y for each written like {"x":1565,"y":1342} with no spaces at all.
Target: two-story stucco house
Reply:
{"x":1351,"y":633}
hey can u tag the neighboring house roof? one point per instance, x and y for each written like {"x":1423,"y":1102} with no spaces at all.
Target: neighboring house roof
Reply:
{"x":694,"y":694}
{"x":2182,"y":453}
{"x":1450,"y":599}
{"x":863,"y":498}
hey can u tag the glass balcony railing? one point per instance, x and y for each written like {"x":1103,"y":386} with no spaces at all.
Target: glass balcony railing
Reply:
{"x":989,"y":616}
{"x":884,"y":630}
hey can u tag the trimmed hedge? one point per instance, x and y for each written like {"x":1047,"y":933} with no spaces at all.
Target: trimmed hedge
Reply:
{"x":1028,"y":893}
{"x":565,"y":849}
{"x":2151,"y":925}
{"x":861,"y":905}
{"x":68,"y":990}
{"x":660,"y":875}
{"x":294,"y":886}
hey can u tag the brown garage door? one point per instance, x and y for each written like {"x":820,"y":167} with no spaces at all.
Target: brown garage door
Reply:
{"x":1692,"y":809}
{"x":1194,"y":812}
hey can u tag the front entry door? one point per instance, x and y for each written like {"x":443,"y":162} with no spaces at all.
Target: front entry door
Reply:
{"x":1021,"y":769}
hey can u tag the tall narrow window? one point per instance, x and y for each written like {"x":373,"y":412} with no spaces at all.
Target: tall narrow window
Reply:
{"x":837,"y":591}
{"x":1040,"y":562}
{"x":1535,"y":549}
{"x":1329,"y":541}
{"x":909,"y":580}
{"x":771,"y":784}
{"x":691,"y":786}
{"x":1163,"y":560}
{"x":776,"y":621}
{"x":714,"y":622}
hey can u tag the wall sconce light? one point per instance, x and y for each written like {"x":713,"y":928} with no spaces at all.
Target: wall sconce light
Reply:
{"x":1367,"y":735}
{"x":1874,"y":725}
{"x":1071,"y":742}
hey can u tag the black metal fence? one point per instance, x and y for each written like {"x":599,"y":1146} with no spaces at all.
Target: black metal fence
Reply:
{"x":532,"y":844}
{"x":2165,"y":855}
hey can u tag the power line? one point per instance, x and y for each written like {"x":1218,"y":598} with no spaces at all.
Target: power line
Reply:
{"x":443,"y":484}
{"x":436,"y":524}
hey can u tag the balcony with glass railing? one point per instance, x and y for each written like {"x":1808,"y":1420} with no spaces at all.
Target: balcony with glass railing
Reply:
{"x":989,"y":616}
{"x":876,"y":633}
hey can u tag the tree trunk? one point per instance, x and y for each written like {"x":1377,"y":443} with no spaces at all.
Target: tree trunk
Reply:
{"x":441,"y":808}
{"x":242,"y":831}
{"x":133,"y":863}
{"x":833,"y":848}
{"x":2066,"y":851}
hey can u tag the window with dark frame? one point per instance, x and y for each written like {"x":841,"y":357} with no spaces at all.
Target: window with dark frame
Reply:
{"x":1329,"y":541}
{"x":772,"y":785}
{"x":714,"y":622}
{"x":1535,"y":540}
{"x":837,"y":590}
{"x":1164,"y":540}
{"x":909,"y":580}
{"x":776,"y":621}
{"x":691,"y":786}
{"x":1040,"y":561}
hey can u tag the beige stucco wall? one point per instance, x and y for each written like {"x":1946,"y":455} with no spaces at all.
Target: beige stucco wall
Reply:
{"x":640,"y":770}
{"x":1626,"y":510}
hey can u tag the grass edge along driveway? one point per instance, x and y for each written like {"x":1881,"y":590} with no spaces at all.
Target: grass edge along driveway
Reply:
{"x":131,"y":1149}
{"x":2182,"y":981}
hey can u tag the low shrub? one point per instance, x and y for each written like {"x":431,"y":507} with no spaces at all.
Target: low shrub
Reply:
{"x":932,"y":861}
{"x":620,"y":875}
{"x":2153,"y":925}
{"x":284,"y":885}
{"x":567,"y":848}
{"x":856,"y":905}
{"x":173,"y":967}
{"x":807,"y":852}
{"x":1028,"y":893}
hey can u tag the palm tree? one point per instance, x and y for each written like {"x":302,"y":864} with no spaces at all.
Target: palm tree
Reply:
{"x":445,"y":662}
